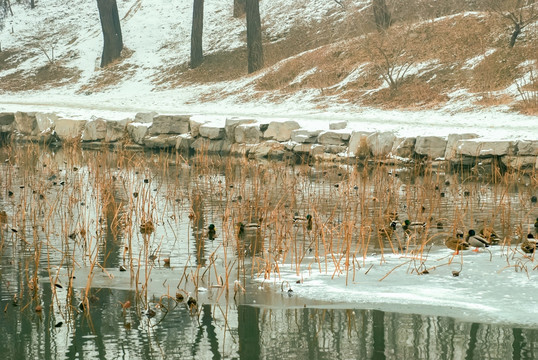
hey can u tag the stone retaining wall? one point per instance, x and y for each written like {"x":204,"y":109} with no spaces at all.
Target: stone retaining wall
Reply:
{"x":274,"y":140}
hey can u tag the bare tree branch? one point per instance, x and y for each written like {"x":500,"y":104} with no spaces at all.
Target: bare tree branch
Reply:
{"x":519,"y":12}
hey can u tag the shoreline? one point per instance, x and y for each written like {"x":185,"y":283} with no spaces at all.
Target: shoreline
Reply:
{"x":265,"y":138}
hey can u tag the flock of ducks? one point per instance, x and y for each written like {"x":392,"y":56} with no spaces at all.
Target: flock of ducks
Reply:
{"x":403,"y":230}
{"x":485,"y":239}
{"x":460,"y":241}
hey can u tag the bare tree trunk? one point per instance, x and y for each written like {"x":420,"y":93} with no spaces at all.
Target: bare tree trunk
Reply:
{"x":110,"y":23}
{"x":254,"y":36}
{"x":515,"y":34}
{"x":381,"y":14}
{"x":197,"y":56}
{"x":32,"y":4}
{"x":239,"y":8}
{"x":9,"y":7}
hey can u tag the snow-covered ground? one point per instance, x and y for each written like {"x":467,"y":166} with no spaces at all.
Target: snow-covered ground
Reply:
{"x":489,"y":124}
{"x":500,"y":286}
{"x":162,"y":28}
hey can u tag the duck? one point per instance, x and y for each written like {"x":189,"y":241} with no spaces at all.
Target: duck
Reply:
{"x":303,"y":220}
{"x":529,"y":245}
{"x":457,"y":243}
{"x":192,"y":304}
{"x":489,"y":234}
{"x":397,"y":229}
{"x":409,"y":226}
{"x":211,"y":232}
{"x":476,"y":241}
{"x":147,"y":227}
{"x":242,"y":227}
{"x":387,"y":231}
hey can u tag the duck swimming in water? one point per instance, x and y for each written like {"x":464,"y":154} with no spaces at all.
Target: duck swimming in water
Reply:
{"x":409,"y":226}
{"x":211,"y":232}
{"x":303,"y":220}
{"x":476,"y":241}
{"x":242,"y":227}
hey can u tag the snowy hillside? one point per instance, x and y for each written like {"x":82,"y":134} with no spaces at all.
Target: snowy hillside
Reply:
{"x":157,"y":32}
{"x":317,"y":65}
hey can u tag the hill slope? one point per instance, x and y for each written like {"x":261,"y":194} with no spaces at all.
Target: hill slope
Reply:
{"x":319,"y":55}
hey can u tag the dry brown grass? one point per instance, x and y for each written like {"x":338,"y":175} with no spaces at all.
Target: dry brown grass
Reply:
{"x":47,"y":76}
{"x":412,"y":94}
{"x":447,"y":44}
{"x":232,"y":65}
{"x":9,"y":59}
{"x":500,"y":69}
{"x":222,"y":66}
{"x":489,"y":99}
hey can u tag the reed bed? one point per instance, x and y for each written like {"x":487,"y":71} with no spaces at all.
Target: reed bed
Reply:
{"x":79,"y":221}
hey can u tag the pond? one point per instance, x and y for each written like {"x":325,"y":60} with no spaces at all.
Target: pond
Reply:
{"x":109,"y":254}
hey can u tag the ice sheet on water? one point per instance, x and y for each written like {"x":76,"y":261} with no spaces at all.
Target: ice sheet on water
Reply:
{"x":501,"y":286}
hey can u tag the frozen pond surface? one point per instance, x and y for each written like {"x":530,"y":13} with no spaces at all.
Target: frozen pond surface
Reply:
{"x":74,"y":217}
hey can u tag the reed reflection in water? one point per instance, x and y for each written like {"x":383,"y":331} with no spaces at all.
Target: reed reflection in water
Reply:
{"x":252,"y":332}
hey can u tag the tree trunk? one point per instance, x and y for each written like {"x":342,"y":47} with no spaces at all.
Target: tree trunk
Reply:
{"x":381,"y":14}
{"x":254,"y":36}
{"x":32,"y":4}
{"x":239,"y":8}
{"x":515,"y":34}
{"x":110,"y":23}
{"x":197,"y":55}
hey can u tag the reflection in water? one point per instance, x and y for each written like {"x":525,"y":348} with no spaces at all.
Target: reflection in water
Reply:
{"x":198,"y":227}
{"x":100,"y":215}
{"x":253,"y":333}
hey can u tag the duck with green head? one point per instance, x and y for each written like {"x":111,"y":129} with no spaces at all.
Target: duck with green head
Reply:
{"x":476,"y":241}
{"x":414,"y":226}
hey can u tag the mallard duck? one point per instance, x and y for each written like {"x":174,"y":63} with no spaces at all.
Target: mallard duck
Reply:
{"x":242,"y":227}
{"x":529,"y":245}
{"x":476,"y":241}
{"x":409,"y":226}
{"x":147,"y":227}
{"x":489,"y":234}
{"x":386,"y":231}
{"x":457,"y":243}
{"x":303,"y":220}
{"x":192,"y":304}
{"x":211,"y":232}
{"x":397,"y":229}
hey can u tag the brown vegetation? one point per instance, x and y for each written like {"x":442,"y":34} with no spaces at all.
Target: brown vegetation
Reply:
{"x":416,"y":63}
{"x":47,"y":76}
